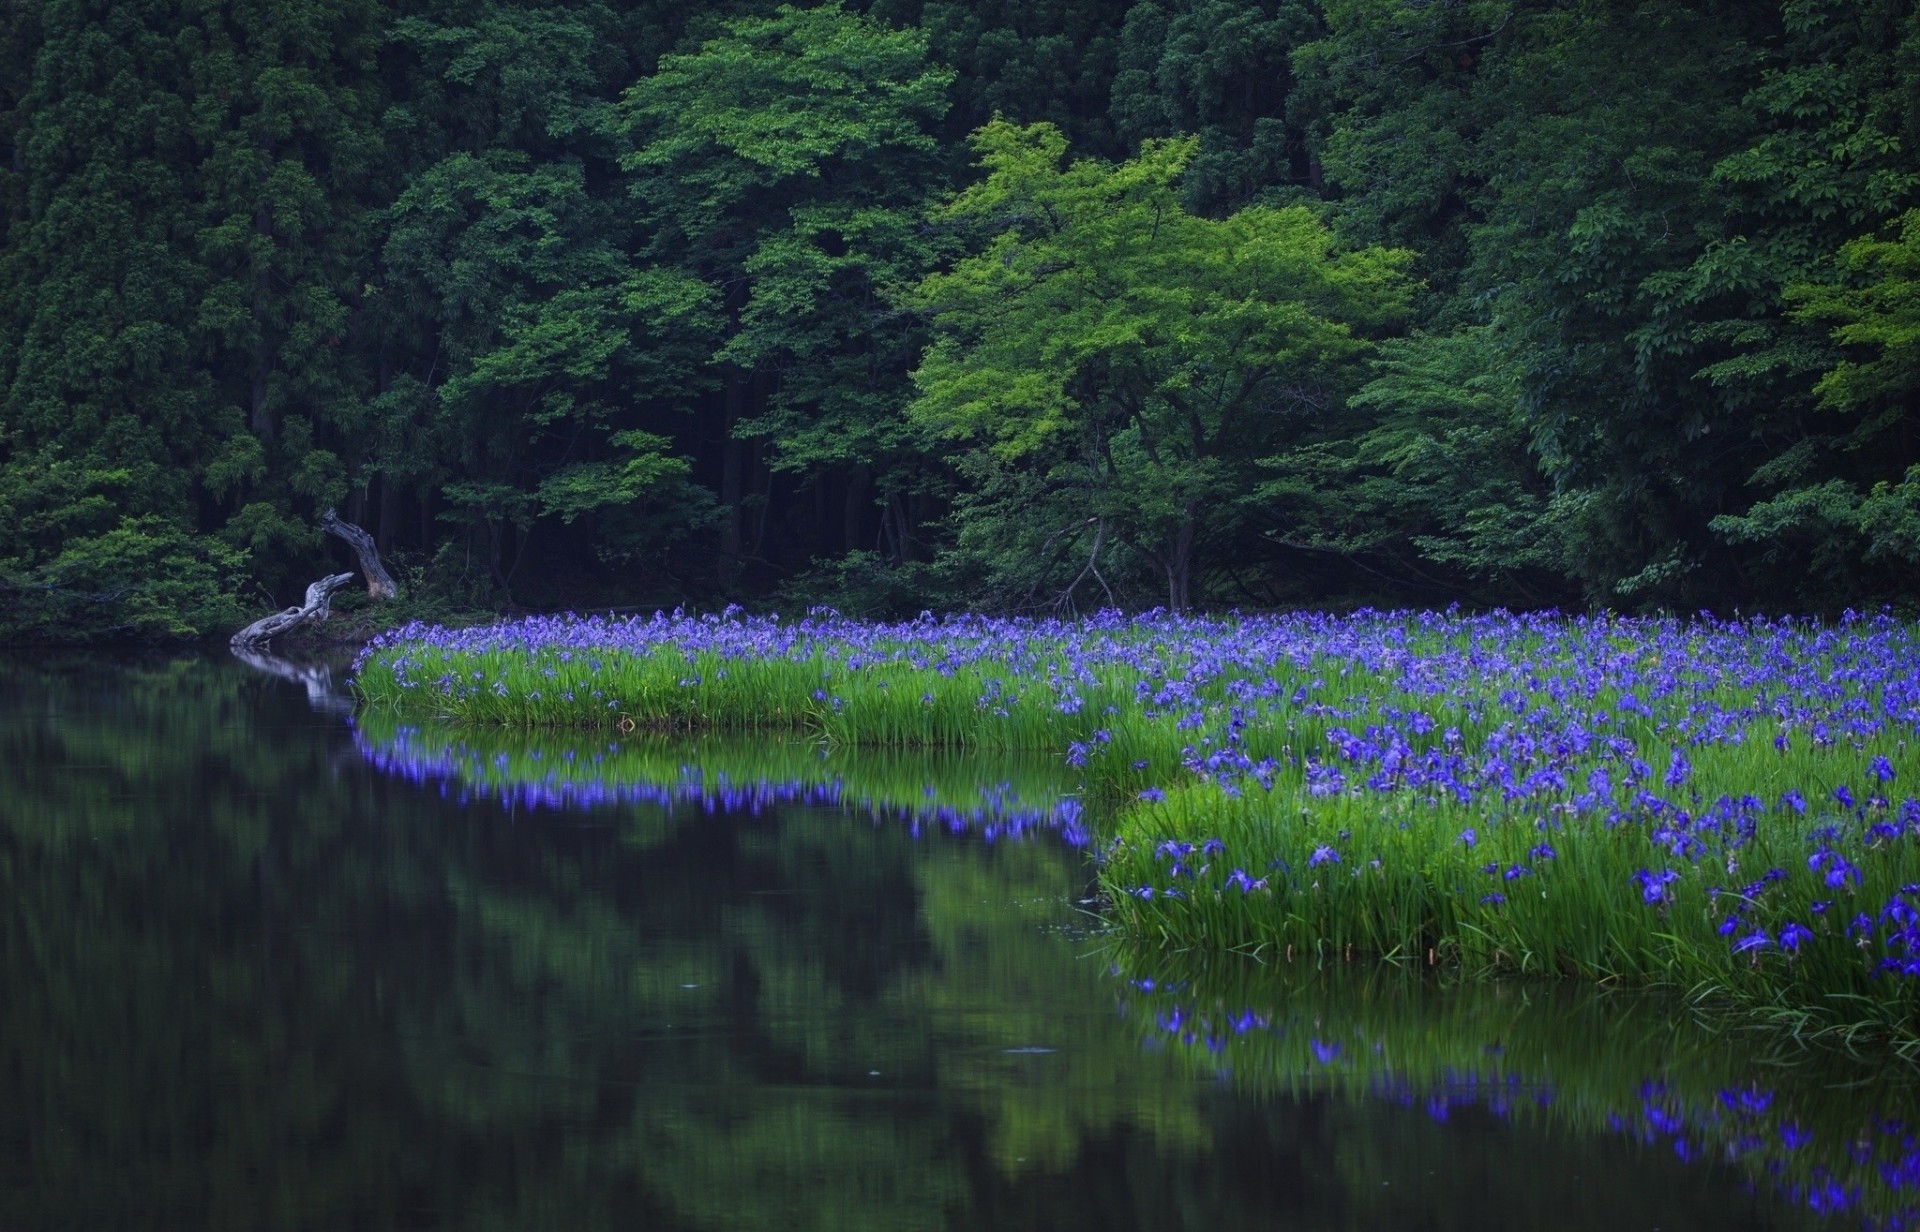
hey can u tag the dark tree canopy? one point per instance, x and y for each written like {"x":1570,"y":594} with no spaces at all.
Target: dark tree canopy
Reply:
{"x":911,"y":303}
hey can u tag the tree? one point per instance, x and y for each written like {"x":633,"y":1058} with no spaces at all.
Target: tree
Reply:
{"x":1219,"y":70}
{"x":1875,"y":315}
{"x":1426,"y":479}
{"x":1819,"y":271}
{"x":1120,"y":360}
{"x":773,"y":164}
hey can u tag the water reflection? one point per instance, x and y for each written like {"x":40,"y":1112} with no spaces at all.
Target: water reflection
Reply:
{"x":249,"y":978}
{"x":995,"y":795}
{"x":1802,"y":1125}
{"x":320,"y":677}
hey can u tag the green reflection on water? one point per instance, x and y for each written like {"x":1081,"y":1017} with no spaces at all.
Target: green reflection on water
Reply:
{"x":1808,"y":1126}
{"x":991,"y":791}
{"x":249,"y":978}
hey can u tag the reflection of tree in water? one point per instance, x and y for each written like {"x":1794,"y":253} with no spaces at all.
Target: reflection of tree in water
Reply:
{"x":774,"y":981}
{"x":245,"y":985}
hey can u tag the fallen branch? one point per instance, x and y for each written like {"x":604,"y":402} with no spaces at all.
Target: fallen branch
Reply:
{"x":314,"y":610}
{"x":380,"y":584}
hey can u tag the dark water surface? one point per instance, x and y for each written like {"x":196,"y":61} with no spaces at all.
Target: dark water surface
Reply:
{"x":262,"y":969}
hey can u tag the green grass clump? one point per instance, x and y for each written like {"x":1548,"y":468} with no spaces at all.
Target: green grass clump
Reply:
{"x":1289,"y":875}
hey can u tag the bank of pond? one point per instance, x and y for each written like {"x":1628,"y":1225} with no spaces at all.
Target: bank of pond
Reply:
{"x":1723,"y":806}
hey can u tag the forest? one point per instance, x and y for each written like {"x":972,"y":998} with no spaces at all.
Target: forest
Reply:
{"x":1024,"y":307}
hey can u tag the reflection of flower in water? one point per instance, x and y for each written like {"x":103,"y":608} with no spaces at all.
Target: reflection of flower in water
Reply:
{"x":464,"y":774}
{"x":1872,"y":1176}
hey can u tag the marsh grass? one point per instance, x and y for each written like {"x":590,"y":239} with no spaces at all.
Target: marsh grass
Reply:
{"x":1719,"y":805}
{"x":1397,"y":879}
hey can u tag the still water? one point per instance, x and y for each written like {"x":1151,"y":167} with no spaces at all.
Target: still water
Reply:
{"x":263,"y":968}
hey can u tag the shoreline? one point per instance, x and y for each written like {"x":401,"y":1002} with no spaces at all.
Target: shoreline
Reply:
{"x":1704,"y":804}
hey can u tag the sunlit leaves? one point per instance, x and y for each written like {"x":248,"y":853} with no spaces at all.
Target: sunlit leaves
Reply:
{"x":1876,"y":314}
{"x":1147,"y":348}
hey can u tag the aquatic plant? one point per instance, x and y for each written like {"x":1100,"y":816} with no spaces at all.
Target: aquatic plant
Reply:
{"x":1719,"y":804}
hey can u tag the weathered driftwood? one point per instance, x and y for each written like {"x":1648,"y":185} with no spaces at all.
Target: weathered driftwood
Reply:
{"x":316,"y":678}
{"x":380,"y":584}
{"x":314,"y":610}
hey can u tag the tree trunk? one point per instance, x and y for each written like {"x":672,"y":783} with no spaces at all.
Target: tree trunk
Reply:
{"x":380,"y":584}
{"x":389,"y":512}
{"x":732,"y":480}
{"x":853,"y":509}
{"x":318,"y":602}
{"x":1180,"y":565}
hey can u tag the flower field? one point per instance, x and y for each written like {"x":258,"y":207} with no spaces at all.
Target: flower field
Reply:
{"x":1726,"y":806}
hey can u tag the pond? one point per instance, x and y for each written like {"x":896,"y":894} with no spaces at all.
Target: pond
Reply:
{"x":262,"y":966}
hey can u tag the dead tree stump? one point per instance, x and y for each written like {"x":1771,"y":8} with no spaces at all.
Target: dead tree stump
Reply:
{"x":380,"y":584}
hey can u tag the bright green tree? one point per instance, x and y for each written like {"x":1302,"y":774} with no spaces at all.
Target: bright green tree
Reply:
{"x":1112,"y":363}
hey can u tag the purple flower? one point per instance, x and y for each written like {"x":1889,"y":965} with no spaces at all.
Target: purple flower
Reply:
{"x":1748,"y":1103}
{"x":1323,"y":854}
{"x":1469,"y":837}
{"x":1881,"y":769}
{"x":1653,"y":886}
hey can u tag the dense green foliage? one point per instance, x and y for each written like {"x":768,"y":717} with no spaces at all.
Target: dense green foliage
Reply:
{"x":911,"y":303}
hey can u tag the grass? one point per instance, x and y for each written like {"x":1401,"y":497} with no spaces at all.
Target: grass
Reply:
{"x":1708,"y":804}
